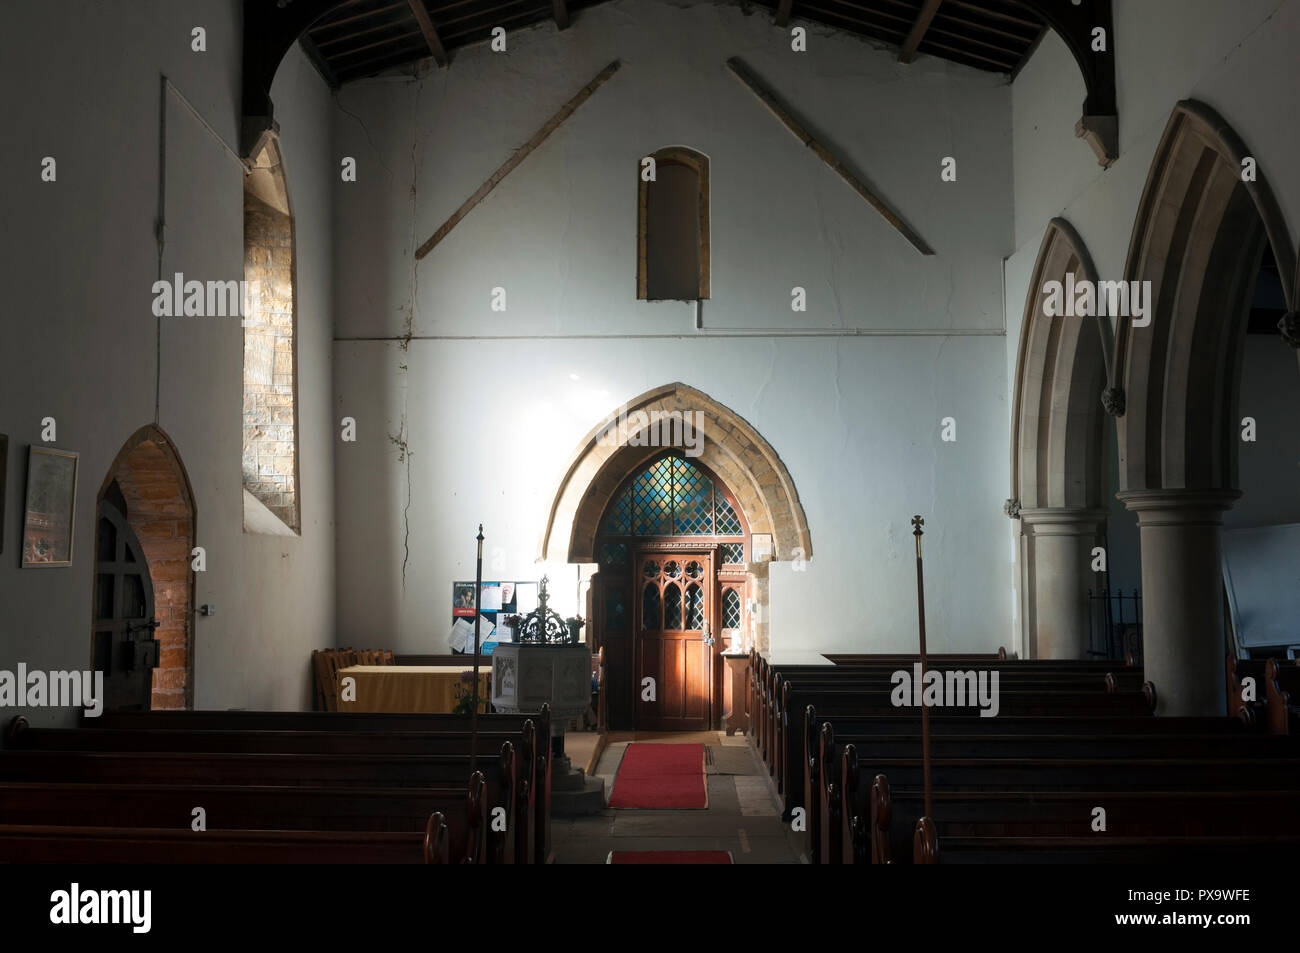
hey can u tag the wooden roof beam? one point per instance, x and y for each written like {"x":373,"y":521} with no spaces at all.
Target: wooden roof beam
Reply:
{"x":783,"y":12}
{"x":519,"y":156}
{"x":560,"y":12}
{"x":914,"y":36}
{"x":430,"y":34}
{"x":782,"y":112}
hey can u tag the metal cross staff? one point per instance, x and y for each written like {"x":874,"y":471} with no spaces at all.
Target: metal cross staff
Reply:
{"x":917,"y":523}
{"x":473,"y":712}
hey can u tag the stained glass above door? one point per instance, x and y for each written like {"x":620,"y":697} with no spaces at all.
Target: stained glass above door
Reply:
{"x":671,"y":497}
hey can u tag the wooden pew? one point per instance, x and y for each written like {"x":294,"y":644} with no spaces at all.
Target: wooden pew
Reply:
{"x":794,"y":738}
{"x":764,"y":680}
{"x":511,"y":786}
{"x":372,"y":723}
{"x":39,"y":844}
{"x":832,"y":798}
{"x":1269,"y":850}
{"x":438,"y":781}
{"x":838,"y":799}
{"x":877,"y":680}
{"x":232,"y":807}
{"x":886,"y":835}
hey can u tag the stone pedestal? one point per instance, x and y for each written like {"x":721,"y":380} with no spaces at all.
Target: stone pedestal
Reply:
{"x":1182,"y":596}
{"x":524,"y":678}
{"x":1058,"y":574}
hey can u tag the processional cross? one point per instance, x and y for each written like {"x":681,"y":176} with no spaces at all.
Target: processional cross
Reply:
{"x":917,"y":523}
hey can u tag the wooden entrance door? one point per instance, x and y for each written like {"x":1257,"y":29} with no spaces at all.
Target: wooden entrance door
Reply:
{"x":124,"y":648}
{"x":674,"y":646}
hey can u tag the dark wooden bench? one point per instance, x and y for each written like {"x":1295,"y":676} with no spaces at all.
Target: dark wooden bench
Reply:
{"x":878,"y":685}
{"x":62,"y":844}
{"x":377,"y":726}
{"x":440,"y":779}
{"x":836,"y":795}
{"x":763,"y":681}
{"x":1265,"y":849}
{"x":1277,"y":682}
{"x":793,"y":730}
{"x":877,"y":680}
{"x":885,"y":836}
{"x":899,"y":733}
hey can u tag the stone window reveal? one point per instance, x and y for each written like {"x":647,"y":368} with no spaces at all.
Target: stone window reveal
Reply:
{"x":270,"y":453}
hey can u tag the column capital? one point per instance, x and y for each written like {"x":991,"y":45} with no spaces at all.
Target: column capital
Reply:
{"x":1178,"y":506}
{"x":1063,"y":520}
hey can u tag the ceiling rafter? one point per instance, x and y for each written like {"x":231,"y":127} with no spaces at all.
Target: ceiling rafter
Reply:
{"x":914,"y":36}
{"x":430,"y":34}
{"x":353,"y":39}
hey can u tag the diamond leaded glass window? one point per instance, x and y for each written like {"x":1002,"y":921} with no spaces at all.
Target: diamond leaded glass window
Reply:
{"x":728,"y":521}
{"x":730,"y":609}
{"x":671,"y":497}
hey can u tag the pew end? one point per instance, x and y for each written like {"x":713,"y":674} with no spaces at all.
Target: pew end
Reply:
{"x":881,"y":814}
{"x":476,"y":812}
{"x":1278,"y":702}
{"x":437,"y":841}
{"x":925,"y":843}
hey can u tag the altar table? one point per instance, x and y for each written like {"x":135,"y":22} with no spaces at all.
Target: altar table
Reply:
{"x":408,"y":688}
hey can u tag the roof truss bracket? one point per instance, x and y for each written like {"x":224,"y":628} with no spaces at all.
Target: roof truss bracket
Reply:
{"x":270,"y":29}
{"x":1075,"y":24}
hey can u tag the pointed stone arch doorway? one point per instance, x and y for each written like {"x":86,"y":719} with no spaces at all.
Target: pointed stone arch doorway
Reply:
{"x":708,"y":457}
{"x":144,"y":534}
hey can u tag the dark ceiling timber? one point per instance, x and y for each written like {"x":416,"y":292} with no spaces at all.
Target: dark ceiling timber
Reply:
{"x":352,"y":39}
{"x":430,"y":34}
{"x":914,"y":36}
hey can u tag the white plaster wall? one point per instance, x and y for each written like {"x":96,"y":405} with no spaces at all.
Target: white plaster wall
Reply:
{"x":490,"y":423}
{"x":79,"y":337}
{"x":1238,"y":57}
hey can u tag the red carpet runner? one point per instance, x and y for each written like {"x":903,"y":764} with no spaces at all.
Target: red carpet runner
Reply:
{"x":670,"y":857}
{"x":660,"y":776}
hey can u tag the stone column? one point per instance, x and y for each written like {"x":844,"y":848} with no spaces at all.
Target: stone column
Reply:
{"x":1058,"y":544}
{"x":1182,"y":596}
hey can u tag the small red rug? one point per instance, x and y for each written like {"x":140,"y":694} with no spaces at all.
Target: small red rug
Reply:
{"x":670,"y":857}
{"x":656,"y":776}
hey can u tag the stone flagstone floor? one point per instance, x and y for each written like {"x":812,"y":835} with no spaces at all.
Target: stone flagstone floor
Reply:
{"x":743,"y":815}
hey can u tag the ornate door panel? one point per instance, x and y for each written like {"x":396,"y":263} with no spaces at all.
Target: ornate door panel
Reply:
{"x":124,"y":648}
{"x":674,"y":608}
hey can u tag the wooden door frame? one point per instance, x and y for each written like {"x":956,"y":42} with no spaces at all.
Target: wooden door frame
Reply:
{"x":125,"y":540}
{"x":684,"y":550}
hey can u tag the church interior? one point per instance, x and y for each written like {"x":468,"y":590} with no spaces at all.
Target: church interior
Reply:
{"x":882,"y":446}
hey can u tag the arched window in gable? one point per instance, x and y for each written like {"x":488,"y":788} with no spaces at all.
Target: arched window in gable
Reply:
{"x":673,"y":227}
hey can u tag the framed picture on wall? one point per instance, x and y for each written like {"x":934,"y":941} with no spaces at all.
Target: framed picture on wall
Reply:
{"x":4,"y":474}
{"x":50,"y":507}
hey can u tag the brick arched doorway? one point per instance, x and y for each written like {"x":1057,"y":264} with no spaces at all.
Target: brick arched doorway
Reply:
{"x":149,"y":480}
